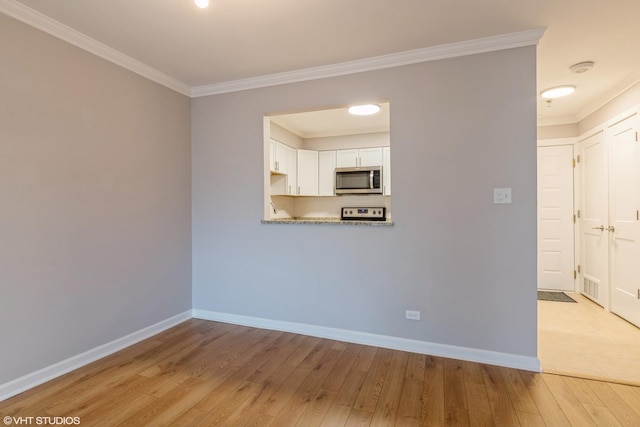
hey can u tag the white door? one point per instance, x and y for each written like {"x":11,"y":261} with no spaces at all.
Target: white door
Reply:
{"x":593,"y":213}
{"x":555,"y":218}
{"x":624,"y":224}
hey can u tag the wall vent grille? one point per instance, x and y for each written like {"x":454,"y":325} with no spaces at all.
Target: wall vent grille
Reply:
{"x":590,"y":288}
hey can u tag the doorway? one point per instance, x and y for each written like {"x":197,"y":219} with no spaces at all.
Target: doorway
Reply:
{"x":590,"y":338}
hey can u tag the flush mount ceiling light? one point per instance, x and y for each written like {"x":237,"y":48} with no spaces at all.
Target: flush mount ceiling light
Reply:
{"x":557,"y":92}
{"x":364,"y":110}
{"x":581,"y":67}
{"x":202,"y":4}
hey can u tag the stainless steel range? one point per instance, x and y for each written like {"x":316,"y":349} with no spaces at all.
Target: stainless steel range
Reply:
{"x":366,"y":214}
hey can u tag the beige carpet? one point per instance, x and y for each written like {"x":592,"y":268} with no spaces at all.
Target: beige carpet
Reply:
{"x":584,"y":340}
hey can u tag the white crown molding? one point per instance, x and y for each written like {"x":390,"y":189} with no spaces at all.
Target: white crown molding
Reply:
{"x":41,"y":376}
{"x":48,"y":25}
{"x":469,"y":47}
{"x":618,"y":89}
{"x":434,"y":349}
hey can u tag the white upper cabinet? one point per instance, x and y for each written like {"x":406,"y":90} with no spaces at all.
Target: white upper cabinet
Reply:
{"x":307,"y":173}
{"x":278,"y":157}
{"x":370,"y":156}
{"x":386,"y":171}
{"x":346,"y":158}
{"x":326,"y":173}
{"x":359,"y":157}
{"x":292,"y":171}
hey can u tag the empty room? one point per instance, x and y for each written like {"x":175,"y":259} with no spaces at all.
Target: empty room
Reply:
{"x":203,"y":222}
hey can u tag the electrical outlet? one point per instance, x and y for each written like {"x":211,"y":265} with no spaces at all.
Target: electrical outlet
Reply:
{"x":412,"y":315}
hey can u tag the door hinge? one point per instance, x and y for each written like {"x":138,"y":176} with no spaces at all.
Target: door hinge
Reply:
{"x":636,"y":136}
{"x":575,"y":274}
{"x":578,"y":213}
{"x":574,"y":218}
{"x":573,"y":161}
{"x":578,"y":268}
{"x":578,"y":158}
{"x":638,"y":293}
{"x":637,"y":215}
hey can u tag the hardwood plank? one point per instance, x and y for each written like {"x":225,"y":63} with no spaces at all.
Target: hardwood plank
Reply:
{"x":370,"y":391}
{"x":416,"y":364}
{"x":455,"y":399}
{"x":472,"y":372}
{"x":498,"y":393}
{"x":320,"y":362}
{"x":358,"y":417}
{"x":602,"y":416}
{"x":432,"y":410}
{"x":518,"y":392}
{"x":479,"y":407}
{"x":530,"y":420}
{"x":337,"y":376}
{"x":631,"y":395}
{"x":410,"y":404}
{"x":582,"y":391}
{"x":341,"y":407}
{"x":317,"y":409}
{"x":547,"y":405}
{"x":573,"y":409}
{"x":618,"y":407}
{"x":386,"y":410}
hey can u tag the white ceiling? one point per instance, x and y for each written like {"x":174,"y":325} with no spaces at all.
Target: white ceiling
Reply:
{"x":241,"y":39}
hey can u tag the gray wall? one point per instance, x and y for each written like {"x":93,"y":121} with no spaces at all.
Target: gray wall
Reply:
{"x":95,"y":210}
{"x":459,"y":128}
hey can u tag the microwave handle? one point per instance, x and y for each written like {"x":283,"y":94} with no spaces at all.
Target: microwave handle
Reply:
{"x":371,"y":179}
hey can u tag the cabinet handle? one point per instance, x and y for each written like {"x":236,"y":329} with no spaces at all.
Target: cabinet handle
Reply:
{"x":298,"y":190}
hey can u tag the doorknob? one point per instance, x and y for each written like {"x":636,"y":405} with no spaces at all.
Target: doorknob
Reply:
{"x":611,"y":228}
{"x":601,"y":228}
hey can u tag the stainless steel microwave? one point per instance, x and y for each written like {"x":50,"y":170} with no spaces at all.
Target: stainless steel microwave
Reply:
{"x":359,"y":180}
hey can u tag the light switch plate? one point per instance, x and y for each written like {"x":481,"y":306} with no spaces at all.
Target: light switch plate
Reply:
{"x":501,"y":195}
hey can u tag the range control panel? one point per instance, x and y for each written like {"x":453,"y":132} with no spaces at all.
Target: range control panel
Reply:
{"x":367,"y":214}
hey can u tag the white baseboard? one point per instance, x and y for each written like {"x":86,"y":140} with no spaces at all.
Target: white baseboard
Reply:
{"x":423,"y":347}
{"x":33,"y":379}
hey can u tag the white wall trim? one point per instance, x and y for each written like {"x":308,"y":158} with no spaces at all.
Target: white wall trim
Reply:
{"x":34,"y":379}
{"x":469,"y":47}
{"x":423,"y":347}
{"x":57,"y":29}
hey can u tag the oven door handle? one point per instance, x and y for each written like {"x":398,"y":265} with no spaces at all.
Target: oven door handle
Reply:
{"x":371,"y":180}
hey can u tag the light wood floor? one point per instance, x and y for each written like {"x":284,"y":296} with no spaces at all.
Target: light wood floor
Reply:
{"x":208,"y":373}
{"x":583,"y":339}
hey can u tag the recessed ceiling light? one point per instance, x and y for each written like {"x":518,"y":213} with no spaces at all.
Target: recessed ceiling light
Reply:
{"x":557,"y":92}
{"x":581,"y":67}
{"x":202,"y":4}
{"x":364,"y":110}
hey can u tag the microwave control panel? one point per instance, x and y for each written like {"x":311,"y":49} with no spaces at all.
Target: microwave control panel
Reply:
{"x":370,"y":214}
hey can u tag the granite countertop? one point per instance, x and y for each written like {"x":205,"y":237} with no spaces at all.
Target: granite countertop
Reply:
{"x":330,"y":221}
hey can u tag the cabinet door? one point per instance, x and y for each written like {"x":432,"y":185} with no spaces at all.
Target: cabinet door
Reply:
{"x":346,"y":158}
{"x":292,"y":171}
{"x":370,"y":156}
{"x":307,"y":173}
{"x":272,"y":155}
{"x":326,"y":173}
{"x":386,"y":171}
